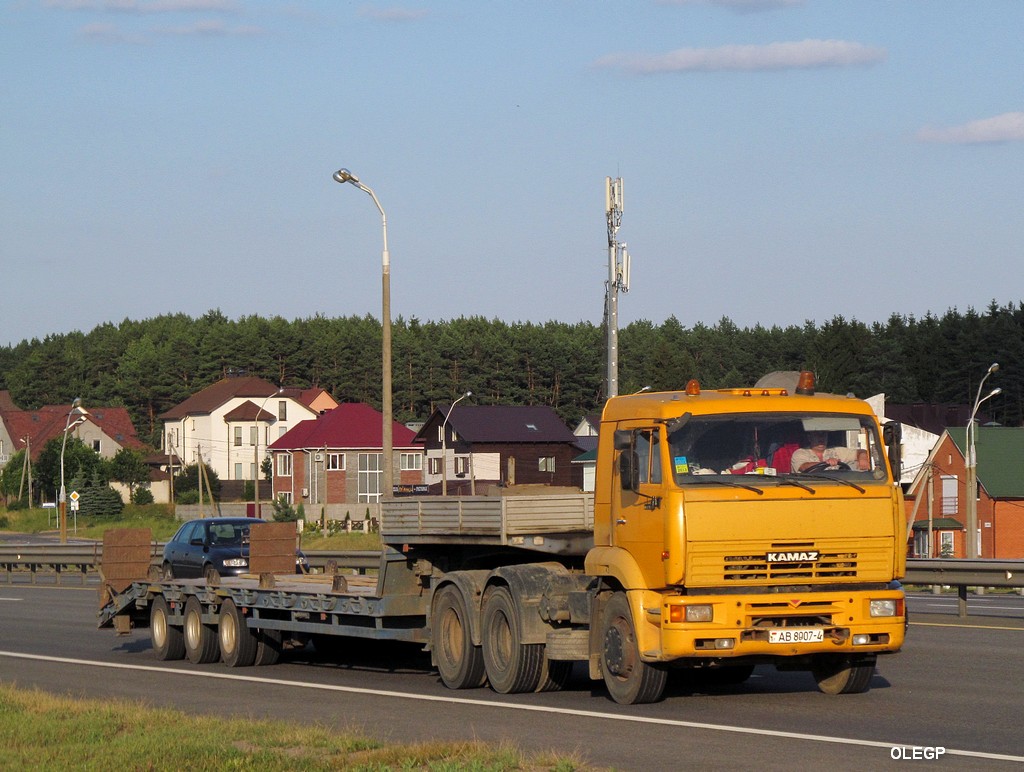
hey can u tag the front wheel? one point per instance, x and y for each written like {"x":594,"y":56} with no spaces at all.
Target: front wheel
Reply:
{"x":459,"y":663}
{"x":629,"y":679}
{"x":843,"y":675}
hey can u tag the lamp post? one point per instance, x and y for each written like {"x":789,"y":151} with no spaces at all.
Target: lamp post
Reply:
{"x":81,"y":413}
{"x":972,"y":465}
{"x":444,"y":444}
{"x":256,"y":481}
{"x":344,"y":175}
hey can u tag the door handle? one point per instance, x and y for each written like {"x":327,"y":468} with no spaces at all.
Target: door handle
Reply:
{"x":620,"y":521}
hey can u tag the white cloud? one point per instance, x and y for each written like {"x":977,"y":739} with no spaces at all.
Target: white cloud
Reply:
{"x":804,"y":54}
{"x":108,"y":33}
{"x":1008,"y":127}
{"x":392,"y":14}
{"x":209,"y":28}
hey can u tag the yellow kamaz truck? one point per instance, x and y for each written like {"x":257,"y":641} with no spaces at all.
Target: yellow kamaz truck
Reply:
{"x":728,"y":528}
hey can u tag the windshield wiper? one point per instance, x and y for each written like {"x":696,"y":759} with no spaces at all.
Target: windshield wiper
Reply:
{"x":791,"y":481}
{"x":832,"y":479}
{"x":730,"y":483}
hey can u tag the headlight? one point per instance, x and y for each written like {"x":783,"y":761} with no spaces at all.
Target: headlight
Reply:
{"x":883,"y":608}
{"x":236,"y":562}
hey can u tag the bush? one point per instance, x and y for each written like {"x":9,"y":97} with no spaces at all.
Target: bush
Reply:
{"x":187,"y":497}
{"x":283,"y":511}
{"x":99,"y":501}
{"x":142,"y":496}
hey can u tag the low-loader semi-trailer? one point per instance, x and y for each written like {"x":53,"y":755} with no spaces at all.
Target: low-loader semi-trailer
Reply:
{"x":702,"y":547}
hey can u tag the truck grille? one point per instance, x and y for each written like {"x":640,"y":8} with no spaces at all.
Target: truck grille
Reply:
{"x":756,"y":568}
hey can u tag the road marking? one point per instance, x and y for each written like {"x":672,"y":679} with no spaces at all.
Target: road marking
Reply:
{"x":507,"y":706}
{"x":15,"y":600}
{"x":969,"y":627}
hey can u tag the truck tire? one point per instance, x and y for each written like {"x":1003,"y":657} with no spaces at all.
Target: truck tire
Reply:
{"x":237,"y":641}
{"x":459,"y":663}
{"x":843,"y":675}
{"x":168,"y":640}
{"x":268,"y":647}
{"x":200,"y":639}
{"x":512,"y":666}
{"x":630,"y":680}
{"x":554,"y":675}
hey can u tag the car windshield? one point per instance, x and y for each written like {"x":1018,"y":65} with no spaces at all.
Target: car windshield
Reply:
{"x":228,"y":534}
{"x":760,"y":446}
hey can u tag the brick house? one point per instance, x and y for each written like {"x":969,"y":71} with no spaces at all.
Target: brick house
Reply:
{"x":1000,"y":468}
{"x":336,"y":460}
{"x":497,"y":445}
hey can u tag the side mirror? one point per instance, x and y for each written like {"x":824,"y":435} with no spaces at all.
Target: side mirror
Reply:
{"x":629,"y":470}
{"x":892,"y":435}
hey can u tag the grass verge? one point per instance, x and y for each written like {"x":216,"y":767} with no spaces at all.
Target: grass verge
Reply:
{"x":42,"y":731}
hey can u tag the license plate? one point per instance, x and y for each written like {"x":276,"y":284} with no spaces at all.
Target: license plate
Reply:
{"x":797,"y":635}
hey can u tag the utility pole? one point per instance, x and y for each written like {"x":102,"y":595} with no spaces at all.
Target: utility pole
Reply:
{"x":618,"y":279}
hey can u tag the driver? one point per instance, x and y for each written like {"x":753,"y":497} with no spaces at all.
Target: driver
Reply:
{"x":818,"y":453}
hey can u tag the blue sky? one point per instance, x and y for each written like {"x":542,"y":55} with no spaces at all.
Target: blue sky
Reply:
{"x":783,"y":160}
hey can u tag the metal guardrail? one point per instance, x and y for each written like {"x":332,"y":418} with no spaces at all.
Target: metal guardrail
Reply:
{"x":84,"y":559}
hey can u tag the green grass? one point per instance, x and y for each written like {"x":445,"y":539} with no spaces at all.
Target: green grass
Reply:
{"x":42,"y":731}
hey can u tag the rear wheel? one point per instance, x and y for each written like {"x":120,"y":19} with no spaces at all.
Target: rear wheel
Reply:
{"x":511,"y":665}
{"x":168,"y":571}
{"x":629,"y":679}
{"x":268,"y":647}
{"x":237,"y":641}
{"x":459,"y":663}
{"x":843,"y":675}
{"x":200,"y":639}
{"x":168,"y":640}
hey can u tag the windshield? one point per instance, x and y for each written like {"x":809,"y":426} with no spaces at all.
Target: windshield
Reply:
{"x":795,"y":446}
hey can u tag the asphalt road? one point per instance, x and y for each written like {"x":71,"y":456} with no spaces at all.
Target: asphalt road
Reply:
{"x":955,"y":686}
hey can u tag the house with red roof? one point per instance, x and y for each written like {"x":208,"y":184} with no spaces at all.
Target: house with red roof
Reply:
{"x":336,"y":460}
{"x":230,"y":423}
{"x":105,"y":429}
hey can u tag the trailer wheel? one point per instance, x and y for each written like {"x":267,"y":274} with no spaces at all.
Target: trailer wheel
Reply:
{"x":843,"y":675}
{"x":268,"y":647}
{"x":459,"y":663}
{"x":629,"y":679}
{"x":168,"y":640}
{"x":200,"y":640}
{"x":554,"y":675}
{"x":237,"y":642}
{"x":511,"y":665}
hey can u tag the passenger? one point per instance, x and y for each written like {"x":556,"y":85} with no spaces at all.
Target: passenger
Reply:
{"x":818,"y":454}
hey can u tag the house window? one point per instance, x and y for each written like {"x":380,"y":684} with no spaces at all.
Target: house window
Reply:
{"x":96,"y":446}
{"x":335,"y":462}
{"x":411,"y":462}
{"x":950,"y":496}
{"x":252,"y":471}
{"x":946,"y":544}
{"x":254,"y":435}
{"x":282,"y":410}
{"x":546,"y":464}
{"x":370,"y":474}
{"x":238,"y":471}
{"x":284,"y":465}
{"x":238,"y":436}
{"x":461,"y":465}
{"x":434,"y":466}
{"x":285,"y":496}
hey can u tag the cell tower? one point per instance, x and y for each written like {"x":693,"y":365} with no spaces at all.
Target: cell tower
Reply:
{"x":618,"y":280}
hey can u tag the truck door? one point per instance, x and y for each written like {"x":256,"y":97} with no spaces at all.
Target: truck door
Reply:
{"x":637,"y":516}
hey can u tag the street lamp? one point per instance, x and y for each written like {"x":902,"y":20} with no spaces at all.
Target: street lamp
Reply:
{"x":256,"y":481}
{"x":972,"y":465}
{"x":344,"y":175}
{"x":444,"y":444}
{"x":81,"y":413}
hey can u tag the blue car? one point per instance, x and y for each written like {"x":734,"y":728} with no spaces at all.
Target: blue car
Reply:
{"x":210,"y":544}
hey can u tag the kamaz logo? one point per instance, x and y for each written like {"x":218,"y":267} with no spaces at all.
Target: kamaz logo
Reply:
{"x":792,"y":557}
